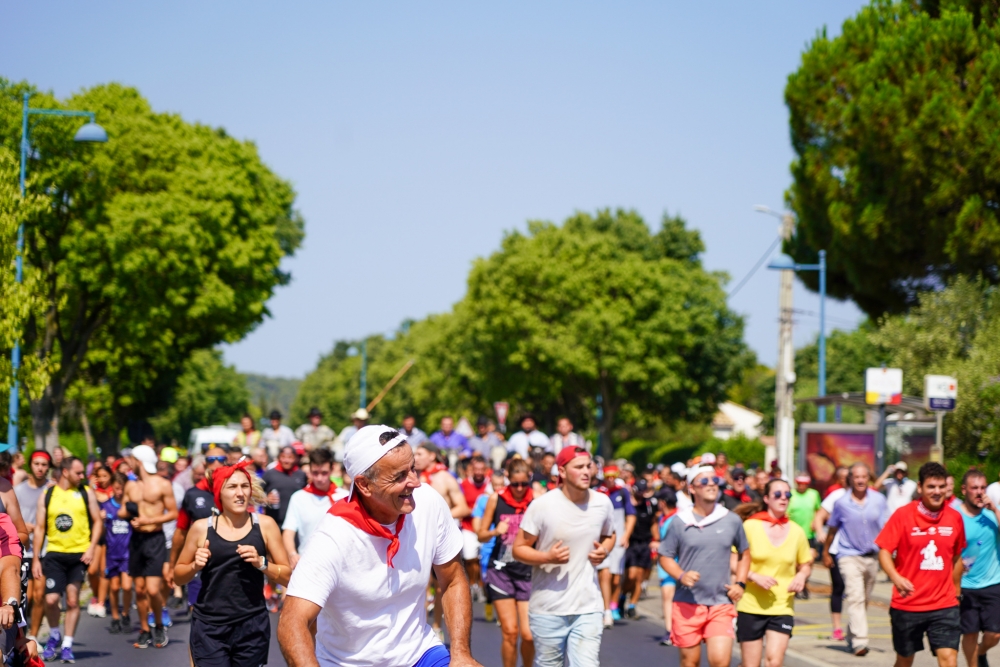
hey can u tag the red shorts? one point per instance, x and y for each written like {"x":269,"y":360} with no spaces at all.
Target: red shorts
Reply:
{"x":693,"y":623}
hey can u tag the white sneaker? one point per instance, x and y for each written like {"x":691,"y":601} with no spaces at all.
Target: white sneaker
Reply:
{"x":609,"y":621}
{"x":91,"y":609}
{"x":99,"y":611}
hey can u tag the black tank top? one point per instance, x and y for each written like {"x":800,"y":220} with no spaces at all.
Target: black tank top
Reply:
{"x":502,"y":556}
{"x":232,"y":590}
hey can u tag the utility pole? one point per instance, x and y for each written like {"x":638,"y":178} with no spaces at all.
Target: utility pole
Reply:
{"x":784,"y":381}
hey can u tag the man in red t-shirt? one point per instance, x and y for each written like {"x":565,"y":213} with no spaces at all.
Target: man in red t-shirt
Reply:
{"x":928,"y":538}
{"x":473,"y":486}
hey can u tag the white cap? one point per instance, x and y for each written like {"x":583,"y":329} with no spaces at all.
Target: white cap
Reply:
{"x":364,"y":450}
{"x":900,"y":465}
{"x":699,"y":470}
{"x":680,"y":469}
{"x":146,"y":455}
{"x":707,"y":458}
{"x":361,"y":414}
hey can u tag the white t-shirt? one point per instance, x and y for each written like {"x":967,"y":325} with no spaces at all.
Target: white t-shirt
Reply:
{"x":828,"y":504}
{"x":993,"y":493}
{"x":373,"y":615}
{"x":305,"y":511}
{"x":521,"y":442}
{"x":897,"y":495}
{"x":572,"y":588}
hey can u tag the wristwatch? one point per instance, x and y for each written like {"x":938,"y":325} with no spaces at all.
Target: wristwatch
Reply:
{"x":742,"y":584}
{"x":263,"y":563}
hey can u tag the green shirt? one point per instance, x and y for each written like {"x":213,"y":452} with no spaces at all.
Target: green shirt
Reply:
{"x":802,"y":507}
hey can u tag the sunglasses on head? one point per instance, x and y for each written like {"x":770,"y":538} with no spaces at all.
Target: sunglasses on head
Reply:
{"x":707,"y":481}
{"x":519,"y":485}
{"x":777,"y":495}
{"x":215,"y":459}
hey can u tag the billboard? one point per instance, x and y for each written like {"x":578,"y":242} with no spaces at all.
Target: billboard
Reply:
{"x":825,"y":447}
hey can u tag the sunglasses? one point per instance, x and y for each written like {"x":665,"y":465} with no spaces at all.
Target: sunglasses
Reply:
{"x":778,"y":495}
{"x":519,"y":485}
{"x":215,"y":459}
{"x":707,"y":481}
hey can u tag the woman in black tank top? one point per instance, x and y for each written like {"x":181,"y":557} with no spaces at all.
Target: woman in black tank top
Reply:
{"x":233,"y":550}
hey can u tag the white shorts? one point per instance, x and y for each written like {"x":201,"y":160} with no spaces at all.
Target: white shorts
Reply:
{"x":470,"y":550}
{"x":615,"y":561}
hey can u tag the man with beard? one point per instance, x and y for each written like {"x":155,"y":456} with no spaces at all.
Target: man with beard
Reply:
{"x":473,"y":486}
{"x":980,"y":606}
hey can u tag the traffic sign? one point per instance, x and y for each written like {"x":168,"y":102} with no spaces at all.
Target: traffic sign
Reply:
{"x":501,"y":410}
{"x":884,"y":386}
{"x":940,"y":392}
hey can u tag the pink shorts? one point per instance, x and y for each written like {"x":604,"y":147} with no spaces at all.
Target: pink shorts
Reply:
{"x":694,"y":623}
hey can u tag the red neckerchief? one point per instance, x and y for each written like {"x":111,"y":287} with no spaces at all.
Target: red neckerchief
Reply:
{"x":316,"y":492}
{"x":354,"y":513}
{"x":926,"y":513}
{"x":766,"y":517}
{"x":288,"y":472}
{"x":203,"y":485}
{"x":518,"y":506}
{"x":433,"y":470}
{"x":743,"y":497}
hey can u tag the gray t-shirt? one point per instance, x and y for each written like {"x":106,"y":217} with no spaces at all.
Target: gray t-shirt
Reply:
{"x":572,"y":588}
{"x":27,"y":499}
{"x":705,"y":550}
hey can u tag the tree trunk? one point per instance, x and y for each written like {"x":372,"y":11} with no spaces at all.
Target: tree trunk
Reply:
{"x":608,"y":420}
{"x":87,"y":435}
{"x":45,"y":417}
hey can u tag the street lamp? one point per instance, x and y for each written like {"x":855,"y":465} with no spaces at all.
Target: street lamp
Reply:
{"x":783,"y":262}
{"x":90,"y":132}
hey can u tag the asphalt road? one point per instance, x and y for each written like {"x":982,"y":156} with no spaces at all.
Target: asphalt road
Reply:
{"x":628,"y":644}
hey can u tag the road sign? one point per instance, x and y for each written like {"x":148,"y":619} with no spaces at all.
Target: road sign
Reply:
{"x":940,"y":392}
{"x":884,"y":386}
{"x":501,"y":409}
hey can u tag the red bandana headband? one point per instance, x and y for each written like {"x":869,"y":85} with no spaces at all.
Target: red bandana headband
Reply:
{"x":220,"y":476}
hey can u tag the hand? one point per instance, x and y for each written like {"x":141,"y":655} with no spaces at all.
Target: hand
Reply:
{"x":463,"y":661}
{"x":558,"y":554}
{"x":735,"y":592}
{"x":36,"y":569}
{"x":87,"y":556}
{"x":293,"y":560}
{"x":903,"y":585}
{"x":168,"y":575}
{"x":139,"y":521}
{"x":598,"y":555}
{"x":28,"y":645}
{"x":762,"y":581}
{"x":798,"y":584}
{"x":249,"y":554}
{"x":6,"y":616}
{"x":624,"y":544}
{"x":987,"y":503}
{"x":690,"y":578}
{"x":827,"y":560}
{"x":273,"y":498}
{"x":502,"y":527}
{"x":201,"y":557}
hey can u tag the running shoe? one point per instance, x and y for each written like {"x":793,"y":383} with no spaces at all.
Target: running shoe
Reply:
{"x":631,"y":612}
{"x":165,"y":618}
{"x":666,"y":641}
{"x":861,"y":652}
{"x":838,"y":635}
{"x":609,"y":621}
{"x":144,"y":640}
{"x":160,"y":636}
{"x":983,"y":662}
{"x":126,"y":623}
{"x":67,"y":655}
{"x":116,"y":626}
{"x":92,"y":608}
{"x":615,"y":614}
{"x":99,"y":611}
{"x":51,"y":647}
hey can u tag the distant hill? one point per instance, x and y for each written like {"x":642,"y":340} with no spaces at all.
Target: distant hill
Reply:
{"x":269,"y":393}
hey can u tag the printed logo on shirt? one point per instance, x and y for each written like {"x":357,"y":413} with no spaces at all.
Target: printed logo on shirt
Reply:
{"x":63,"y":522}
{"x":932,"y":530}
{"x":199,"y":502}
{"x":916,"y":531}
{"x":931,"y":560}
{"x":945,"y":531}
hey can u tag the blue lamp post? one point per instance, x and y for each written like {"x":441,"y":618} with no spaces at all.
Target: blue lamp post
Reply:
{"x":783,"y":262}
{"x":90,"y":132}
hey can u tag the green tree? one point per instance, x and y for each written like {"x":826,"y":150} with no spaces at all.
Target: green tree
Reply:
{"x":896,"y":128}
{"x":207,"y":392}
{"x":165,"y":240}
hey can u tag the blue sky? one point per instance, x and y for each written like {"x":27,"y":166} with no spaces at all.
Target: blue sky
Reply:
{"x":423,"y":131}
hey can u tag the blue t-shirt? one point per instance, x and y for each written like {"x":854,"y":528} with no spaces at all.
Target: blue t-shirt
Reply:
{"x":486,"y":548}
{"x":664,"y":577}
{"x":980,"y":555}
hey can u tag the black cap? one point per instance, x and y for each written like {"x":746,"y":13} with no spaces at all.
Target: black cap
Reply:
{"x":738,"y":472}
{"x":641,"y":485}
{"x":313,"y":412}
{"x":667,"y":495}
{"x":650,"y":467}
{"x":274,"y":415}
{"x":483,"y":421}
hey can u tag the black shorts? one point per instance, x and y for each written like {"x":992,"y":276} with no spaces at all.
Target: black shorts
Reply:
{"x":146,"y":554}
{"x":980,"y":609}
{"x":638,"y":554}
{"x":751,"y":627}
{"x":942,"y":627}
{"x":241,"y":644}
{"x":60,"y":570}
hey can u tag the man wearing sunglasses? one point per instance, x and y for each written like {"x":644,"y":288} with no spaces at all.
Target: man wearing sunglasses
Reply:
{"x":197,"y":504}
{"x":701,"y":539}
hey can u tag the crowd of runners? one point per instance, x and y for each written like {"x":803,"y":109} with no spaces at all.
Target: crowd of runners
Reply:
{"x":372,"y":545}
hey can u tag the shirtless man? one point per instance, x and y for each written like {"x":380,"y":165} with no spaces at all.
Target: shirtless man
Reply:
{"x":426,"y":459}
{"x":149,"y":503}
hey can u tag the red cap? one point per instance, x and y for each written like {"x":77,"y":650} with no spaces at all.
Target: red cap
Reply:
{"x":567,"y":454}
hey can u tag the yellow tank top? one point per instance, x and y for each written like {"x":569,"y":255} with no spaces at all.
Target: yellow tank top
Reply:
{"x":67,"y":521}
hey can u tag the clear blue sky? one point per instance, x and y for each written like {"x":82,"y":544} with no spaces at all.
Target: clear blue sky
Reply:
{"x":422,"y":131}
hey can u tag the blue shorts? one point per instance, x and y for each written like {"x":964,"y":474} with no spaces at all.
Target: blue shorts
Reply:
{"x":115,"y":566}
{"x":668,"y":581}
{"x":437,"y":656}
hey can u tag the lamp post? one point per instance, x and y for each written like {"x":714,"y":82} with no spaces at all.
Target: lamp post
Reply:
{"x":89,"y":132}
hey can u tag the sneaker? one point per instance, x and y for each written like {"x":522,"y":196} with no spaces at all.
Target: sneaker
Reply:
{"x":116,"y":626}
{"x":983,"y":662}
{"x":160,"y":636}
{"x":91,"y":608}
{"x":165,"y":618}
{"x":145,"y":638}
{"x":838,"y":635}
{"x":609,"y":619}
{"x":665,"y":640}
{"x":150,"y":619}
{"x":631,"y":612}
{"x":99,"y":611}
{"x":51,"y":647}
{"x":67,"y":655}
{"x":615,"y":614}
{"x":861,"y":652}
{"x":126,"y":623}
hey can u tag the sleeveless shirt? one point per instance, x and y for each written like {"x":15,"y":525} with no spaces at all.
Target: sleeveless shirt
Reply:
{"x":68,"y":521}
{"x":232,"y":590}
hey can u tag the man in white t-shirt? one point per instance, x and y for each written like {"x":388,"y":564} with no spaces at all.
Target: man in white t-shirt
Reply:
{"x":529,"y":436}
{"x":308,"y":506}
{"x":898,"y":488}
{"x":363,"y":580}
{"x":565,"y":535}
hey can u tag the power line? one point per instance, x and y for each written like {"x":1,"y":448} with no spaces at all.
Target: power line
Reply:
{"x":756,"y":266}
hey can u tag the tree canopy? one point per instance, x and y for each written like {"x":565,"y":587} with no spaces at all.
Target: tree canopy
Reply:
{"x":165,"y":240}
{"x":896,"y":129}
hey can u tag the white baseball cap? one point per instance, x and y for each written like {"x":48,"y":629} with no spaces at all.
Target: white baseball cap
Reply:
{"x":699,"y":470}
{"x":708,"y":457}
{"x":364,"y":449}
{"x":680,"y":469}
{"x":146,"y":455}
{"x":361,"y":414}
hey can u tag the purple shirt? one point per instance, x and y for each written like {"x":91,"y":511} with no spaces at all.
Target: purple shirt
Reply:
{"x":859,"y":524}
{"x":455,"y":440}
{"x":117,"y":532}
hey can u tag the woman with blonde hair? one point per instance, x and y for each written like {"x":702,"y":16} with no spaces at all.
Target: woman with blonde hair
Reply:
{"x":234,"y":551}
